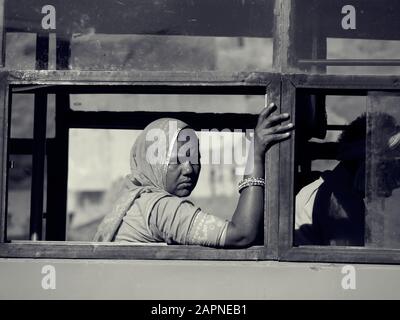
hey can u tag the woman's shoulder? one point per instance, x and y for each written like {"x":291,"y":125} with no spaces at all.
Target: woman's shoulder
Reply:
{"x":161,"y":203}
{"x":172,"y":203}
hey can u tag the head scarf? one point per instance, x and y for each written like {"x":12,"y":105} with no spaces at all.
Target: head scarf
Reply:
{"x":152,"y":151}
{"x":149,"y":159}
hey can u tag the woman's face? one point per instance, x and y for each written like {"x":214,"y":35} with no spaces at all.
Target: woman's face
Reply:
{"x":184,"y":166}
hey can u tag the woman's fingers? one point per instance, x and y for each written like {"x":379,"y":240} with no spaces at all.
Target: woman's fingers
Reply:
{"x":265,"y":113}
{"x":273,"y":138}
{"x":274,"y":120}
{"x":276,"y":134}
{"x":278,"y":129}
{"x":280,"y":137}
{"x":270,"y":129}
{"x":266,"y":119}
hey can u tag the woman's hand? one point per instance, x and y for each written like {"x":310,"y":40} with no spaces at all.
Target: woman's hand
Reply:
{"x":270,"y":130}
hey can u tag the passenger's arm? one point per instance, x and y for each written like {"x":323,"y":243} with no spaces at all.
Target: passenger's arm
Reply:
{"x":243,"y":229}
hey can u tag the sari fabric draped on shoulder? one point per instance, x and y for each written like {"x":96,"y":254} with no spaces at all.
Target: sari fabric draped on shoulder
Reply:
{"x":108,"y":228}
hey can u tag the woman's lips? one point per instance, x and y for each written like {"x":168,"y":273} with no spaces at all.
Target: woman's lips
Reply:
{"x":186,"y":184}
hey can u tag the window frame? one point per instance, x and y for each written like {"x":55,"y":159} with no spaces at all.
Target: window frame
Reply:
{"x":67,"y":82}
{"x":279,"y":171}
{"x":330,"y":84}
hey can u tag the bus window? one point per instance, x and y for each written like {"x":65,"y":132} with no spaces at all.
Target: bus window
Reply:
{"x":329,"y":203}
{"x":360,"y":37}
{"x":347,"y":181}
{"x":98,"y":155}
{"x":196,"y":35}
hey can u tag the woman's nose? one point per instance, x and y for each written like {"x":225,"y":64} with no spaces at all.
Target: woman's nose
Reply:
{"x":187,"y":168}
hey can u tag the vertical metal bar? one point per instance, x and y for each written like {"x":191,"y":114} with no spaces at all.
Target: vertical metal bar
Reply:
{"x":283,"y":35}
{"x":2,"y":34}
{"x":271,"y":200}
{"x":278,"y":238}
{"x":38,"y":157}
{"x":52,"y":51}
{"x":39,"y":143}
{"x":5,"y":131}
{"x":286,"y":172}
{"x":57,"y":179}
{"x":57,"y":158}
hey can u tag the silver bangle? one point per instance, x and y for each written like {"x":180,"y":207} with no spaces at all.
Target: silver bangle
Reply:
{"x":248,"y":182}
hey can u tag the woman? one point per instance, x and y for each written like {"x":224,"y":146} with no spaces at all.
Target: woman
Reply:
{"x":153,"y":209}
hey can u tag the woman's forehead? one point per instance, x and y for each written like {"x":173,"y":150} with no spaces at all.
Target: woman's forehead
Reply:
{"x":187,"y":136}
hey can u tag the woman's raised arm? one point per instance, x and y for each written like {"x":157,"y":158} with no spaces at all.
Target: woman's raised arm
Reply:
{"x":243,"y":229}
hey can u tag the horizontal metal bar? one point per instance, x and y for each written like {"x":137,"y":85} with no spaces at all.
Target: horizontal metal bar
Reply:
{"x":109,"y":78}
{"x":343,"y":84}
{"x":351,"y":62}
{"x":140,"y":88}
{"x":138,"y":120}
{"x":215,"y":80}
{"x":28,"y":89}
{"x":335,"y":254}
{"x":90,"y":250}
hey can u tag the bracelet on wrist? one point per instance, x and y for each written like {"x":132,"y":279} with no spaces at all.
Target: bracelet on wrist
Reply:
{"x":249,"y":182}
